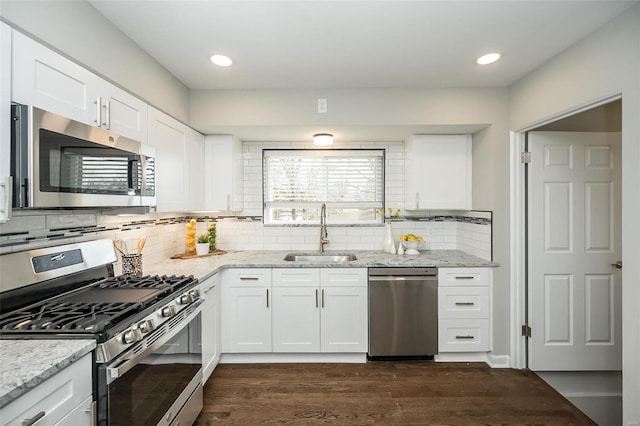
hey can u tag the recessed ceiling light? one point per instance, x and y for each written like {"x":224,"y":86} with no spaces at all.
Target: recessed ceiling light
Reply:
{"x":489,"y":58}
{"x":221,"y":60}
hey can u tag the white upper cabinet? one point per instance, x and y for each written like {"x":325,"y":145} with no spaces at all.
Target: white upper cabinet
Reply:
{"x":170,"y":138}
{"x":5,"y":122}
{"x":438,"y":172}
{"x":197,"y":171}
{"x":47,"y":80}
{"x":123,"y":113}
{"x":224,"y":175}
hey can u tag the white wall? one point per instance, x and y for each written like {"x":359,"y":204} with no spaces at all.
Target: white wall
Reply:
{"x":77,"y":30}
{"x":372,"y":107}
{"x":604,"y":64}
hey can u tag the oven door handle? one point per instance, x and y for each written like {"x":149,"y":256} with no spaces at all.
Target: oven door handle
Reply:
{"x":125,"y":362}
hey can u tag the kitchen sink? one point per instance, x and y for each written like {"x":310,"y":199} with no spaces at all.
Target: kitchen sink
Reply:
{"x":320,"y":257}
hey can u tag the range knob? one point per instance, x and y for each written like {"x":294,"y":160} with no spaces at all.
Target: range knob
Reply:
{"x":168,"y":311}
{"x":131,"y":336}
{"x":195,"y":294}
{"x":186,"y":298}
{"x":145,"y":326}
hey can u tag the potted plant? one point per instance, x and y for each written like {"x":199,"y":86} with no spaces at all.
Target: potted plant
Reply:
{"x":202,"y":246}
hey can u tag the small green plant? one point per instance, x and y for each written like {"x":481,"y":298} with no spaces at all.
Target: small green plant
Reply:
{"x":204,"y":238}
{"x":212,"y":236}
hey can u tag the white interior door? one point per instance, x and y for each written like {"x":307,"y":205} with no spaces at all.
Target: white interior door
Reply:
{"x":574,"y":238}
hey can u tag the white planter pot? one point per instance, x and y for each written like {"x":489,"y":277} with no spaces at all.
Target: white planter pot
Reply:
{"x":202,"y":248}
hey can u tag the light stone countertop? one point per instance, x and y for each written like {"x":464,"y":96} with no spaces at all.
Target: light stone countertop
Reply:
{"x":24,"y":364}
{"x":203,"y":267}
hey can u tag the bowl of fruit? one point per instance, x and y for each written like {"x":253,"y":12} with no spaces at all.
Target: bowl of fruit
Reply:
{"x":411,"y":243}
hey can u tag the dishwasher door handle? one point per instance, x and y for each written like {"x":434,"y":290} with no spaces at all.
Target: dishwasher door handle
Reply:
{"x":404,"y":278}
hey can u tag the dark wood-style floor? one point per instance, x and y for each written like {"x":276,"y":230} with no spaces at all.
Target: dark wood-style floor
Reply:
{"x":383,"y":392}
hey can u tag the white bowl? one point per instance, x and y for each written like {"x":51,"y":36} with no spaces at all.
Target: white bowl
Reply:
{"x":412,"y":246}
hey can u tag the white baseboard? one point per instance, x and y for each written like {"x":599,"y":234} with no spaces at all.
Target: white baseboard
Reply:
{"x":498,"y":361}
{"x":353,"y":358}
{"x":494,"y":361}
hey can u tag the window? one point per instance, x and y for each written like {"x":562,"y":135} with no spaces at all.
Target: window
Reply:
{"x":297,"y":182}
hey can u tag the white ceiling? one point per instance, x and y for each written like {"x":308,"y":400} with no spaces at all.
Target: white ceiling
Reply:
{"x":354,"y":44}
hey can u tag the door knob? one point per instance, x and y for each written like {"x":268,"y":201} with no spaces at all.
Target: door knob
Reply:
{"x":617,"y":265}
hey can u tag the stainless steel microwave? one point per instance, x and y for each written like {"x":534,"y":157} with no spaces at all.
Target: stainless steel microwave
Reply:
{"x":58,"y":162}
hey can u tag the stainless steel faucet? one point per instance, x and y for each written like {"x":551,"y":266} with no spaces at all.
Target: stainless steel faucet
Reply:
{"x":323,"y":227}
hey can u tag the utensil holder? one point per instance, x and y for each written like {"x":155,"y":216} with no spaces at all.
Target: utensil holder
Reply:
{"x":132,"y":264}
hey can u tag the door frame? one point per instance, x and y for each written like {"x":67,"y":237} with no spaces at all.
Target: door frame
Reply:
{"x":518,"y":240}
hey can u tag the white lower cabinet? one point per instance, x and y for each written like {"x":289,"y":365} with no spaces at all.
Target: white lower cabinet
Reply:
{"x":211,"y":330}
{"x":294,"y":310}
{"x":463,"y":309}
{"x":64,"y":399}
{"x":320,"y":310}
{"x":246,"y":310}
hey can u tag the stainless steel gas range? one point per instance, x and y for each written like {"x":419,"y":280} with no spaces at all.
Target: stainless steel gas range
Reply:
{"x":147,"y":369}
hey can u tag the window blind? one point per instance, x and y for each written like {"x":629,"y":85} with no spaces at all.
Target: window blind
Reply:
{"x":342,"y":179}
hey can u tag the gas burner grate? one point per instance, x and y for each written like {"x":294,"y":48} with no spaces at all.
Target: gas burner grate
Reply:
{"x":161,"y":282}
{"x":67,"y":317}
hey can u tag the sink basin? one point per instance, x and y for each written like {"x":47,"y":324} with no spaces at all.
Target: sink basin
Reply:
{"x":320,"y":257}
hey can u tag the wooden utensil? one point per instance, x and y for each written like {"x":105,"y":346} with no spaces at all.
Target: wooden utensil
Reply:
{"x":118,"y":247}
{"x":141,"y":242}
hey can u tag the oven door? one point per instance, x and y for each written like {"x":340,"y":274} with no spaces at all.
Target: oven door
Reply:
{"x":157,"y":382}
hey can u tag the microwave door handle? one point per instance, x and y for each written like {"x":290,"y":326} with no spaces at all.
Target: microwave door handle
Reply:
{"x":130,"y":168}
{"x":143,"y":171}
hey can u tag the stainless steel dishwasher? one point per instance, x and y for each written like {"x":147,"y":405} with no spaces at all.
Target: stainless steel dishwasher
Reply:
{"x":403,"y":312}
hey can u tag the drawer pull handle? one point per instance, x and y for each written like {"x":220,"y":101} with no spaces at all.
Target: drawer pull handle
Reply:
{"x":249,"y":278}
{"x":34,"y":419}
{"x":464,"y":277}
{"x":465,"y":303}
{"x":465,"y":337}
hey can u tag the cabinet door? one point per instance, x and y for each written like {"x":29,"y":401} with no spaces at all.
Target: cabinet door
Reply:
{"x":47,"y":80}
{"x":82,"y":415}
{"x":438,"y":172}
{"x":5,"y":123}
{"x":223,"y":187}
{"x":123,"y":113}
{"x":247,"y":319}
{"x":210,"y":326}
{"x":198,"y":173}
{"x":169,"y":137}
{"x":343,"y":319}
{"x":296,"y":319}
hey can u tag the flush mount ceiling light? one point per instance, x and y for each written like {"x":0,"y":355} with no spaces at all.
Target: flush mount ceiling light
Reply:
{"x":323,"y":139}
{"x":221,"y":60}
{"x":487,"y":59}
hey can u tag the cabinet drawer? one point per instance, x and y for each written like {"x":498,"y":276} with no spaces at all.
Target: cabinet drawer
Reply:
{"x":463,"y":276}
{"x":463,"y":335}
{"x":463,"y":302}
{"x":338,"y":277}
{"x":247,"y":277}
{"x":56,"y":397}
{"x":296,"y":277}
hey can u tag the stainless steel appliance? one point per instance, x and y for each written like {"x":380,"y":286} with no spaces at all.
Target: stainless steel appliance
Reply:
{"x":141,"y":376}
{"x":403,"y":312}
{"x":59,"y":162}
